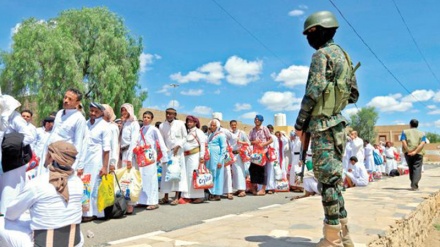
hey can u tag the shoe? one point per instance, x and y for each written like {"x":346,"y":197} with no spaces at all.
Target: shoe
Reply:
{"x":242,"y":194}
{"x":88,"y":219}
{"x":214,"y":198}
{"x":197,"y":201}
{"x":332,"y":236}
{"x":175,"y":202}
{"x":230,"y":197}
{"x":346,"y":239}
{"x":152,"y":207}
{"x":164,"y":201}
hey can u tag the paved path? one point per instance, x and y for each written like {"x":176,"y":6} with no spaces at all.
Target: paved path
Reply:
{"x":373,"y":211}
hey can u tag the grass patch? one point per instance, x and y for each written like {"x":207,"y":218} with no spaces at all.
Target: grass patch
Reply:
{"x":437,"y":227}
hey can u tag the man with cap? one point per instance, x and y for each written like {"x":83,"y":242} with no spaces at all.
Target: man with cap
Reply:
{"x":54,"y":202}
{"x":174,"y":134}
{"x":96,"y":157}
{"x":69,"y":125}
{"x":12,"y":173}
{"x":331,"y":74}
{"x":259,"y":137}
{"x":43,"y":134}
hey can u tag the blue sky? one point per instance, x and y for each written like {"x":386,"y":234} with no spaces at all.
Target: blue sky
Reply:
{"x":243,"y":57}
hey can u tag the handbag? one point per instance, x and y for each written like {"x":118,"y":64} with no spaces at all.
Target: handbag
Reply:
{"x":145,"y":155}
{"x":119,"y":207}
{"x":229,"y":158}
{"x":258,"y":157}
{"x":202,"y":178}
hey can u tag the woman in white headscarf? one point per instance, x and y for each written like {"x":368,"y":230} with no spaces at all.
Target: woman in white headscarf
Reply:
{"x":217,"y":150}
{"x":110,"y":117}
{"x":129,"y":134}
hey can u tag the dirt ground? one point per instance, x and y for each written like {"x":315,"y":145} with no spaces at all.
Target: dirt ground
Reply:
{"x":433,"y":239}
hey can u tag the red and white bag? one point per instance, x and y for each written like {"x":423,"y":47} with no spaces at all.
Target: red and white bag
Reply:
{"x":202,"y":178}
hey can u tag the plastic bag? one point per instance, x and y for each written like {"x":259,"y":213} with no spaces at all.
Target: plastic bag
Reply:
{"x":130,"y":179}
{"x":145,"y":155}
{"x":282,"y":185}
{"x":106,"y":192}
{"x":277,"y":170}
{"x":271,"y":154}
{"x":229,"y":157}
{"x":245,"y":153}
{"x":202,"y":179}
{"x":258,"y":156}
{"x":173,"y":170}
{"x":85,"y":200}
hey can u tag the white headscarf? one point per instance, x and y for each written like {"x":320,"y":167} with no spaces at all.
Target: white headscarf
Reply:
{"x":130,"y":110}
{"x":110,"y":112}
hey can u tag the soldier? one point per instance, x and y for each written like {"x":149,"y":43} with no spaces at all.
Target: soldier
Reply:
{"x":331,"y":85}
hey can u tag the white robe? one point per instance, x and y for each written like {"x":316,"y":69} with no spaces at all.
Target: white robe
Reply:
{"x":239,"y":167}
{"x":48,"y":210}
{"x":98,"y":141}
{"x":295,"y":154}
{"x":69,"y":126}
{"x":359,"y":175}
{"x":150,"y":186}
{"x":357,"y":149}
{"x":369,"y":158}
{"x":129,"y":138}
{"x":195,"y":138}
{"x":347,"y":156}
{"x":230,"y":138}
{"x":12,"y":182}
{"x":174,"y":135}
{"x":114,"y":144}
{"x":270,"y":173}
{"x":390,"y":163}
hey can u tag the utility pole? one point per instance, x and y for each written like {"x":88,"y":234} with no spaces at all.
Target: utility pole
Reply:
{"x":173,"y":85}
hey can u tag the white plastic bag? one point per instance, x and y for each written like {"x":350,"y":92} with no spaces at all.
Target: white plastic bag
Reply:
{"x":277,"y":170}
{"x":173,"y":170}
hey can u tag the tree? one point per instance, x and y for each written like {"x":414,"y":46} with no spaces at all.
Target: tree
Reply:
{"x":89,"y":49}
{"x":433,"y":137}
{"x":364,"y":121}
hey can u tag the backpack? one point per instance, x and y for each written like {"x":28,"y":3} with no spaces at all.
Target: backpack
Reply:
{"x":378,"y":160}
{"x":340,"y":92}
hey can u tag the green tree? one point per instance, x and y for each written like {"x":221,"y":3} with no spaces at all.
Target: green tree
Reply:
{"x":433,"y":137}
{"x":364,"y":121}
{"x":89,"y":49}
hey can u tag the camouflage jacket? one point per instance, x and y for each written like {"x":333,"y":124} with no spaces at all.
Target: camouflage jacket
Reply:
{"x":327,"y":63}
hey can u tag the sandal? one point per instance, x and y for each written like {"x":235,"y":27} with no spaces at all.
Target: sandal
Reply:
{"x":174,"y":202}
{"x":197,"y":201}
{"x":261,"y":193}
{"x":230,"y":197}
{"x":164,"y":201}
{"x":270,"y":192}
{"x":214,"y":198}
{"x":242,"y":194}
{"x":152,"y":207}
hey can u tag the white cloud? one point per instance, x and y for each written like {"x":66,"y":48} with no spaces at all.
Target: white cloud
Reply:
{"x":241,"y":72}
{"x":202,"y":110}
{"x":431,"y":107}
{"x":350,"y":111}
{"x":419,"y":95}
{"x":147,"y":59}
{"x":292,"y":76}
{"x":217,"y":91}
{"x":390,"y":103}
{"x":174,"y":104}
{"x":436,"y":97}
{"x":249,"y":115}
{"x":437,"y":123}
{"x":192,"y":92}
{"x":242,"y":107}
{"x":400,"y":122}
{"x":434,"y":112}
{"x":296,"y":12}
{"x":210,"y":72}
{"x":14,"y":30}
{"x":280,"y":101}
{"x":165,"y":90}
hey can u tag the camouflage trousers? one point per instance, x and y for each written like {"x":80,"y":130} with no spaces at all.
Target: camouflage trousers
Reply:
{"x":328,"y":148}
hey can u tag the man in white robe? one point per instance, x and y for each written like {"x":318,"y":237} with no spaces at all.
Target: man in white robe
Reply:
{"x":54,"y":202}
{"x":69,"y":126}
{"x":369,"y":158}
{"x":227,"y":188}
{"x":295,"y":152}
{"x":238,"y":167}
{"x":12,"y":181}
{"x":357,"y":175}
{"x":269,"y":167}
{"x":109,"y":117}
{"x":357,"y":147}
{"x":129,"y":134}
{"x":174,"y":134}
{"x":96,"y":157}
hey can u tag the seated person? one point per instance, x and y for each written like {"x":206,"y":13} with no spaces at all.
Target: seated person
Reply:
{"x":310,"y":182}
{"x":356,"y":175}
{"x":54,"y":202}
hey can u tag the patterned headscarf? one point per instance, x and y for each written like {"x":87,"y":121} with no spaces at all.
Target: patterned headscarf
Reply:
{"x":194,"y":119}
{"x":130,"y":110}
{"x":64,"y":155}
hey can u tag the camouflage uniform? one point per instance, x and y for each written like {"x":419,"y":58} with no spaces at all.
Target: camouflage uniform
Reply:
{"x":327,"y":133}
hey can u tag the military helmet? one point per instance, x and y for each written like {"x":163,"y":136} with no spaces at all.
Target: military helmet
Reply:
{"x":325,"y":19}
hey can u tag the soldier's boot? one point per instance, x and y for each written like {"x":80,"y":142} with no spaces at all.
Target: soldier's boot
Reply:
{"x":346,"y":239}
{"x":332,"y":236}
